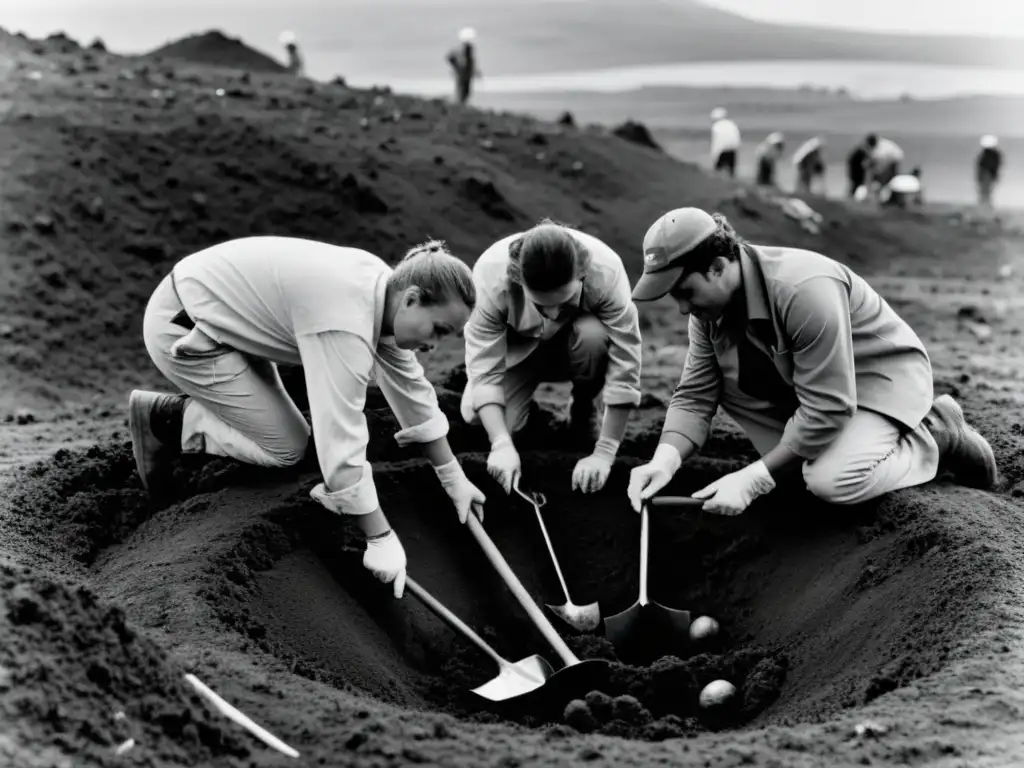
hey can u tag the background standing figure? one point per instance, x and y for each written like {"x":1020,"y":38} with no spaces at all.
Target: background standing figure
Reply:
{"x":463,"y":63}
{"x":725,"y":142}
{"x":291,"y":47}
{"x":986,"y":170}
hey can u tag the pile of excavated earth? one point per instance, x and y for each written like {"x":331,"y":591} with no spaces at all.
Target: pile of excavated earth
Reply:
{"x":882,"y":634}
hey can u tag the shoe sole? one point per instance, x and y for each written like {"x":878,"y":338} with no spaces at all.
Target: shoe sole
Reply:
{"x":137,"y":431}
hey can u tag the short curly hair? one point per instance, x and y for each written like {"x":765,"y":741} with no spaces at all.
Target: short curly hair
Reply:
{"x":724,"y":242}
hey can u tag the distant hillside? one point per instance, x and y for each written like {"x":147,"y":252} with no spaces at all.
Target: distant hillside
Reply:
{"x":383,"y":40}
{"x":214,"y":48}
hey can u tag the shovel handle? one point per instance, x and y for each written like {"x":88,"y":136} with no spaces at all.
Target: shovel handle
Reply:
{"x":645,"y":535}
{"x":451,"y":619}
{"x":676,"y":501}
{"x":517,"y":589}
{"x":547,"y":540}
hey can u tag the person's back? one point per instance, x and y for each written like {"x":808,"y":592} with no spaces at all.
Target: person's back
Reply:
{"x":256,"y":294}
{"x":989,"y":160}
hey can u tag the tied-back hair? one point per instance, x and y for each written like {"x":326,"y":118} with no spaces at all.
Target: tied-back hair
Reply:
{"x":724,"y":242}
{"x":546,"y":257}
{"x":440,"y":276}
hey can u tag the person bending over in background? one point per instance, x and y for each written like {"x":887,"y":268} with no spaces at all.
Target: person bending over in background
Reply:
{"x":856,"y":169}
{"x":768,"y":154}
{"x":553,"y":305}
{"x":219,"y":323}
{"x":814,"y":366}
{"x":809,"y":161}
{"x":884,"y":158}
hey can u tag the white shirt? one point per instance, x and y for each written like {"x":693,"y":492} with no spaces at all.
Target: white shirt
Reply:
{"x":725,"y":135}
{"x":501,"y":307}
{"x":296,"y":301}
{"x":886,"y":151}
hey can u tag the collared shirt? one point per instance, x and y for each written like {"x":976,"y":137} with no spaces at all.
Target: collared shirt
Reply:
{"x":828,"y":345}
{"x":725,"y":135}
{"x":505,"y":328}
{"x":301,"y":302}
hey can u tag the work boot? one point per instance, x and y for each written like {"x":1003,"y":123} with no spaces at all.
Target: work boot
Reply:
{"x":155,"y":422}
{"x":962,"y":450}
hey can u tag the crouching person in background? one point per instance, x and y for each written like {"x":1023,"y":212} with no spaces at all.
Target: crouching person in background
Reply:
{"x":221,"y":321}
{"x":553,"y":305}
{"x":816,"y":368}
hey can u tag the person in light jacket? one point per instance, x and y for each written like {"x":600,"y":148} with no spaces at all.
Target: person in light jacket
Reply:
{"x":815,"y":366}
{"x":553,"y":304}
{"x":218,"y":324}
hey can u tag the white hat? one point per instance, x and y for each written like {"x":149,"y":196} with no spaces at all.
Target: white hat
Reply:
{"x":989,"y":141}
{"x":467,"y":35}
{"x":718,"y":113}
{"x":287,"y":37}
{"x":775,"y":138}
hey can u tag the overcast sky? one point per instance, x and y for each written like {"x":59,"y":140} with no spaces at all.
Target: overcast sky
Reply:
{"x":88,"y":17}
{"x":983,"y":17}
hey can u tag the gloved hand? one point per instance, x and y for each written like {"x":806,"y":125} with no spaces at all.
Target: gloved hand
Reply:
{"x":503,"y":464}
{"x":591,"y":472}
{"x":464,"y":495}
{"x":385,"y":558}
{"x":648,"y":479}
{"x":733,"y":493}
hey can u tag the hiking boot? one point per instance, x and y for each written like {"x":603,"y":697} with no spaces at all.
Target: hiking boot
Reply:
{"x":154,"y":421}
{"x":962,"y":450}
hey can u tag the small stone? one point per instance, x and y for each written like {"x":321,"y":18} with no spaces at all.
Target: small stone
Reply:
{"x":24,"y":416}
{"x":44,"y":224}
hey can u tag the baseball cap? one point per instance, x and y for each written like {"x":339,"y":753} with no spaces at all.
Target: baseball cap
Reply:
{"x":666,"y":244}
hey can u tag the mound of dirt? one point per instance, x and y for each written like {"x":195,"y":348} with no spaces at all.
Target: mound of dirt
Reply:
{"x":215,"y":49}
{"x":637,"y":133}
{"x":76,"y":681}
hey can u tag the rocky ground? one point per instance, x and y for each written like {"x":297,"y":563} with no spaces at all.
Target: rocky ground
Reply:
{"x":879,"y":635}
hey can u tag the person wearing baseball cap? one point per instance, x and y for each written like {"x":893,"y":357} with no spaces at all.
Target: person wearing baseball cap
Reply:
{"x":815,"y":367}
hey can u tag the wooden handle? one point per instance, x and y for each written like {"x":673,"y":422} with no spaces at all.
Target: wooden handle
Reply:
{"x":451,"y":619}
{"x":676,"y":501}
{"x":517,"y":588}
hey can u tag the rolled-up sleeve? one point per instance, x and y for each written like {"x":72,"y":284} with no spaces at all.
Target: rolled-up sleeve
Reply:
{"x":412,"y":398}
{"x":337,"y":367}
{"x":696,"y":397}
{"x":619,"y":315}
{"x":486,"y":348}
{"x":816,"y":317}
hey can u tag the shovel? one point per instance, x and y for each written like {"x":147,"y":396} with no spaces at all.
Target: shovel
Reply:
{"x":577,"y":677}
{"x":514,"y":678}
{"x":582,"y":618}
{"x":646,"y":624}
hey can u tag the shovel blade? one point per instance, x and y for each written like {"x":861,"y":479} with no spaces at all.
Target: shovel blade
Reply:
{"x":516,"y":679}
{"x":582,"y":618}
{"x":647,"y":631}
{"x":619,"y":628}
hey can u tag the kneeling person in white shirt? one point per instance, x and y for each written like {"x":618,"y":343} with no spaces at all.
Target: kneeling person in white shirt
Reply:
{"x":221,"y":321}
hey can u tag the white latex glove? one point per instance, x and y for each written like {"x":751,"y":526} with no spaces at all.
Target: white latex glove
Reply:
{"x":385,"y":558}
{"x":503,"y":464}
{"x":591,"y":472}
{"x":733,"y":493}
{"x":647,"y":479}
{"x":464,"y":495}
